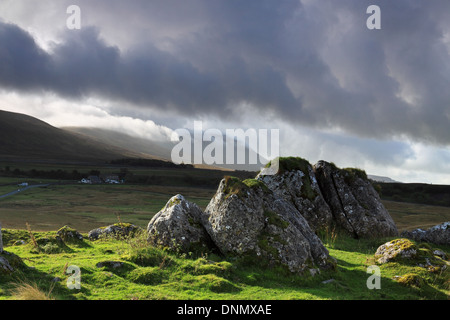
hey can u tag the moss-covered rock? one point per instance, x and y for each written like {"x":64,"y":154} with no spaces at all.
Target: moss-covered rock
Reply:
{"x":259,"y":223}
{"x":235,"y":186}
{"x":407,"y":252}
{"x":118,"y":231}
{"x":68,"y":234}
{"x":395,"y":250}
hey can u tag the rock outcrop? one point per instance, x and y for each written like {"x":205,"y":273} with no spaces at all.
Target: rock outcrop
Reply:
{"x":246,"y":217}
{"x":295,"y":182}
{"x":179,"y":225}
{"x":117,"y":230}
{"x":276,"y":216}
{"x":439,"y":234}
{"x":354,"y":203}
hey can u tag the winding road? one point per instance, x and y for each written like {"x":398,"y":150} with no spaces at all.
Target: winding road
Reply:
{"x":23,"y":189}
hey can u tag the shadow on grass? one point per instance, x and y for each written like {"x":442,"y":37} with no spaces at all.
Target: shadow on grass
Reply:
{"x":29,"y":283}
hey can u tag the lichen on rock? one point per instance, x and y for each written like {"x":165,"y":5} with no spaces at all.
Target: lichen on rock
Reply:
{"x":296,"y":183}
{"x":395,"y":250}
{"x":118,"y":230}
{"x":354,"y":203}
{"x":439,"y":234}
{"x":262,"y":224}
{"x":179,"y":225}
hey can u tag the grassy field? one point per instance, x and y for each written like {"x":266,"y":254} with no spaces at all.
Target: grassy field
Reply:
{"x":151,"y":273}
{"x":408,"y":216}
{"x":85,"y":207}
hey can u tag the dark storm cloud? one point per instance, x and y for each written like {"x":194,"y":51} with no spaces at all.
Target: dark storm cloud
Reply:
{"x":84,"y":65}
{"x":22,"y":63}
{"x":310,"y":63}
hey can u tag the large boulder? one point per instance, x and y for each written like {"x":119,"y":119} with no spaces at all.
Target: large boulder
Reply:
{"x":179,"y":225}
{"x":354,"y":203}
{"x":439,"y":234}
{"x":295,"y":182}
{"x":246,"y":217}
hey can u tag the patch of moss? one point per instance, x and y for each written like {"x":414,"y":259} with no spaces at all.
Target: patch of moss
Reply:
{"x":240,"y":188}
{"x":150,"y":257}
{"x":402,"y":244}
{"x":265,"y":240}
{"x":411,"y":280}
{"x":274,"y":219}
{"x":290,"y":164}
{"x":213,"y":283}
{"x":147,"y":275}
{"x":351,"y":174}
{"x":235,"y":186}
{"x":174,"y":201}
{"x":254,"y":183}
{"x":202,"y":266}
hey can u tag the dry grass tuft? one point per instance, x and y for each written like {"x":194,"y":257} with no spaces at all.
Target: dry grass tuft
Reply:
{"x":28,"y":291}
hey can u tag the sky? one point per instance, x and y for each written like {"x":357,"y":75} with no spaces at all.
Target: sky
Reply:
{"x":375,"y":99}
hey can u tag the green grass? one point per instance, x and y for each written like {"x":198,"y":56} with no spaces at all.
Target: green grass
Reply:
{"x":151,"y":273}
{"x":154,"y":273}
{"x":409,"y":216}
{"x":86,"y":207}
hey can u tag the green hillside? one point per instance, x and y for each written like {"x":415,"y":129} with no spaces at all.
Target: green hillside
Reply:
{"x":27,"y":138}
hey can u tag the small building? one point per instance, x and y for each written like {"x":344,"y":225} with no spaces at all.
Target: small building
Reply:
{"x":95,"y":179}
{"x":23,"y":184}
{"x":111,"y":179}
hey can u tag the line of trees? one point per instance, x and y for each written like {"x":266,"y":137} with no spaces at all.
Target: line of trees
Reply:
{"x":151,"y":163}
{"x":42,"y":174}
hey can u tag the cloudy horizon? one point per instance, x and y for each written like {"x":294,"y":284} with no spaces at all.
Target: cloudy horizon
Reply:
{"x":338,"y":91}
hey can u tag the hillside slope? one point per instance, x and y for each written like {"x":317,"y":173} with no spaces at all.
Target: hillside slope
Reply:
{"x":151,"y":148}
{"x":23,"y":137}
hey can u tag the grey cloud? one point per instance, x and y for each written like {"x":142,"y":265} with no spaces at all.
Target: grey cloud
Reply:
{"x":311,"y":63}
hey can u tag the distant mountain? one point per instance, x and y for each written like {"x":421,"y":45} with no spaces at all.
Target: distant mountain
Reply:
{"x":381,"y":179}
{"x":151,"y":148}
{"x":23,"y":137}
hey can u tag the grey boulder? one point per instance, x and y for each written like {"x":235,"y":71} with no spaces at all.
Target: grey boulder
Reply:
{"x":439,"y":234}
{"x":246,"y":217}
{"x":178,"y":225}
{"x":355,"y":204}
